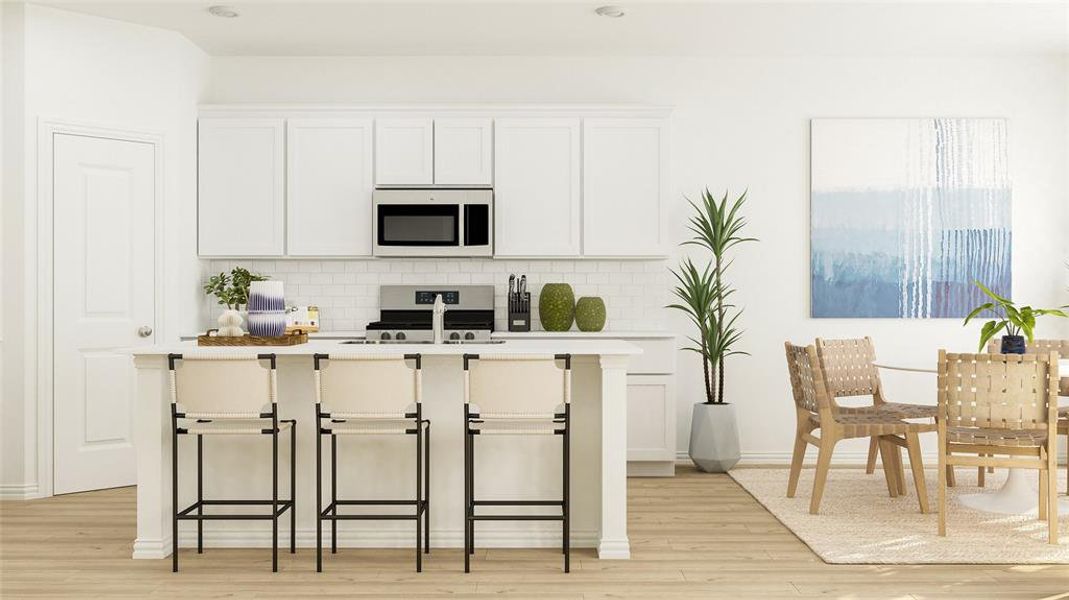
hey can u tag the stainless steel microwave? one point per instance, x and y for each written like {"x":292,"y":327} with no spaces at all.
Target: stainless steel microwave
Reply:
{"x":433,"y":222}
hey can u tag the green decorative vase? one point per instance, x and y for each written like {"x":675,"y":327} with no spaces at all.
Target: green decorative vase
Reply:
{"x":590,"y":313}
{"x":556,"y":306}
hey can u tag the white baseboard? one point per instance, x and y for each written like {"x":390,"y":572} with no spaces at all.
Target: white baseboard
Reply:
{"x":18,"y":491}
{"x":783,"y":459}
{"x":366,"y":537}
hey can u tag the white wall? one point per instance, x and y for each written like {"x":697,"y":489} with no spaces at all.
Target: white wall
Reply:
{"x":89,"y":71}
{"x":743,"y":123}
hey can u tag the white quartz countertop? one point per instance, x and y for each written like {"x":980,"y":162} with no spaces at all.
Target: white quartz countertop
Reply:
{"x":578,"y":347}
{"x":583,"y":335}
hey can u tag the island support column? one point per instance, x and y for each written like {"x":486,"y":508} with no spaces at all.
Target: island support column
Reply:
{"x":613,"y":542}
{"x":152,"y":425}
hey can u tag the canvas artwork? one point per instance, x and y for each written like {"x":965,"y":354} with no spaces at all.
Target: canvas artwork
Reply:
{"x":906,"y":214}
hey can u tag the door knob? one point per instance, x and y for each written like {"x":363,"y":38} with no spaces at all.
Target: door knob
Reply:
{"x":144,"y":331}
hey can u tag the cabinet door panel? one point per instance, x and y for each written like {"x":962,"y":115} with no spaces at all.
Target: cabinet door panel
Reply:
{"x":625,"y":165}
{"x":537,"y":187}
{"x":404,"y":152}
{"x":651,"y":424}
{"x":329,"y":185}
{"x":463,"y":152}
{"x":240,"y":187}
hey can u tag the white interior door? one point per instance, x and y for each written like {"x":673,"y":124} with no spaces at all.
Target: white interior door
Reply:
{"x":103,"y":302}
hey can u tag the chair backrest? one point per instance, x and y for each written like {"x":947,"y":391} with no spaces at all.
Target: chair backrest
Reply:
{"x":220,"y":386}
{"x":368,"y":386}
{"x":1003,"y":391}
{"x":518,"y":386}
{"x":848,"y":367}
{"x":807,"y":380}
{"x":1035,"y":347}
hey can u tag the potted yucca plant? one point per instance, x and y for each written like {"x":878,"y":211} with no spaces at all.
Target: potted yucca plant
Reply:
{"x":705,"y":297}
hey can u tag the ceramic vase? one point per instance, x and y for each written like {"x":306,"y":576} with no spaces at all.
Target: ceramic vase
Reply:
{"x":230,"y":323}
{"x":590,"y":313}
{"x":556,"y":307}
{"x":267,"y":309}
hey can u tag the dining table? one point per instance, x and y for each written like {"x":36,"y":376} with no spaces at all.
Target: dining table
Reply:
{"x":1017,"y":495}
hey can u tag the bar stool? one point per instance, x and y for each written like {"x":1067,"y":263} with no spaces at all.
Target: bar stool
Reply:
{"x":515,"y":395}
{"x":371,"y":395}
{"x":227,"y":395}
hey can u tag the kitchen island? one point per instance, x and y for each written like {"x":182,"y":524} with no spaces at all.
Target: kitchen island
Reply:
{"x":380,"y":467}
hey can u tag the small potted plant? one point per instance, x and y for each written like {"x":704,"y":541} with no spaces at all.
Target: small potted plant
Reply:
{"x":232,"y":291}
{"x":1009,"y":318}
{"x":704,"y":297}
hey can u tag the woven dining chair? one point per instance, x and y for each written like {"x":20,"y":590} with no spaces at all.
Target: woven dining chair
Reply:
{"x":1000,"y":410}
{"x":1061,"y":347}
{"x":849,"y":370}
{"x":815,"y":410}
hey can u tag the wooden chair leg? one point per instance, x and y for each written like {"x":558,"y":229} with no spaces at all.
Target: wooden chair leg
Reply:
{"x":797,"y":457}
{"x":888,"y":469}
{"x":916,"y":464}
{"x":945,"y":472}
{"x":900,"y":470}
{"x":1052,"y":497}
{"x":870,"y":463}
{"x":951,"y":480}
{"x":827,"y":445}
{"x":980,"y":474}
{"x":1043,"y":508}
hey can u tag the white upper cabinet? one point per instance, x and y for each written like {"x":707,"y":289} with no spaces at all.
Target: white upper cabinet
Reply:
{"x":536,"y":187}
{"x":404,"y":152}
{"x":625,"y":182}
{"x":463,"y":152}
{"x":329,"y":185}
{"x":240,"y":187}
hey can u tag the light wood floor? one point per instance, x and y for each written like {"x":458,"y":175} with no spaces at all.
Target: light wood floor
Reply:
{"x":695,"y":536}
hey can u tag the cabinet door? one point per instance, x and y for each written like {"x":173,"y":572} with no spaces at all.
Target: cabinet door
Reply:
{"x":536,"y":187}
{"x":625,"y":168}
{"x":328,"y":187}
{"x":651,"y":422}
{"x":404,"y":152}
{"x":463,"y":150}
{"x":240,"y":187}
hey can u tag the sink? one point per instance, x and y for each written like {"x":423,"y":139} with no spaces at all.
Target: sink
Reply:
{"x":369,"y":342}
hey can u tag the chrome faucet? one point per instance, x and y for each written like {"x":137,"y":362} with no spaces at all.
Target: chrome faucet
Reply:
{"x":438,"y":319}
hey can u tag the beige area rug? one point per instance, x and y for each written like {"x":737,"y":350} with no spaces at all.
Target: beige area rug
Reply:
{"x":860,"y":524}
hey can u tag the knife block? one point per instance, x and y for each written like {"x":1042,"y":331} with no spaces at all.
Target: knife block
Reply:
{"x":520,"y":312}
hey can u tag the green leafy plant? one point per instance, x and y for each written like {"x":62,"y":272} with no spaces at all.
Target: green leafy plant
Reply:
{"x":232,"y":290}
{"x":703,"y":292}
{"x":1008,"y":317}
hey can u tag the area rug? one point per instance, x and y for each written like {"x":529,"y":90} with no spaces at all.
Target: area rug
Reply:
{"x":860,"y":524}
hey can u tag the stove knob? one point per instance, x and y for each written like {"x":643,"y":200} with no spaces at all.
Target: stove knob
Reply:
{"x":469,"y":336}
{"x":385,"y":335}
{"x":401,"y":336}
{"x":454,"y":336}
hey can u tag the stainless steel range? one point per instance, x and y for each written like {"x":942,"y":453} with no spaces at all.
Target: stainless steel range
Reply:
{"x":406,"y":313}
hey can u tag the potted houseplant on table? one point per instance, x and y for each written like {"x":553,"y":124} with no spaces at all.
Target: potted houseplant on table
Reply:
{"x":1018,"y":323}
{"x":232,"y":291}
{"x":704,"y":296}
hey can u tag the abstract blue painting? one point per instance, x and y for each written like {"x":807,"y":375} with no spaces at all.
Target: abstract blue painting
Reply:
{"x":906,"y":214}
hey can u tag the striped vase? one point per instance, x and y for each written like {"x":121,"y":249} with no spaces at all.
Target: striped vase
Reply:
{"x":267,"y":309}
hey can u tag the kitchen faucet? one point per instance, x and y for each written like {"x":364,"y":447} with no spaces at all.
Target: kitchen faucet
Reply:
{"x":438,"y":319}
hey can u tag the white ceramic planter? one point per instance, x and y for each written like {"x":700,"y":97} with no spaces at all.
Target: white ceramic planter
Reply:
{"x":714,"y":437}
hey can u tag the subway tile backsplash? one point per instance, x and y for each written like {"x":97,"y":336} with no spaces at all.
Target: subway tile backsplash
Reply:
{"x":347,"y":291}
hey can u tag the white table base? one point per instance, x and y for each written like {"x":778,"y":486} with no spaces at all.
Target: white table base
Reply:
{"x":1018,"y":495}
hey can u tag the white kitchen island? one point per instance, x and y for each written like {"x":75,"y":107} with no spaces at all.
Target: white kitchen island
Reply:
{"x":381,"y":467}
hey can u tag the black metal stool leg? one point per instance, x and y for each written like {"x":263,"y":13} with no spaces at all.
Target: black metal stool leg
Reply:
{"x":200,"y":493}
{"x":565,"y":530}
{"x":174,"y":501}
{"x":419,"y":494}
{"x":293,"y":488}
{"x":427,"y":491}
{"x":467,"y":498}
{"x":319,"y":496}
{"x":334,"y":493}
{"x":471,"y":491}
{"x":274,"y":500}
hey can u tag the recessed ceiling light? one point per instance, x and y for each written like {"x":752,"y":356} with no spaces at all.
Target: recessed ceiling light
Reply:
{"x":222,"y":11}
{"x":611,"y":11}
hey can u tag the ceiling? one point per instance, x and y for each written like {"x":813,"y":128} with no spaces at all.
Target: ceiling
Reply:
{"x":570,"y":27}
